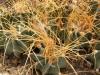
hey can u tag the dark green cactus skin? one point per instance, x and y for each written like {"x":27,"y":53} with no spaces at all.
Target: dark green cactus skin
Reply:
{"x":97,"y":46}
{"x":15,"y":46}
{"x":97,"y":23}
{"x":60,"y":31}
{"x":16,"y":18}
{"x":51,"y":69}
{"x":2,"y":40}
{"x":93,"y":7}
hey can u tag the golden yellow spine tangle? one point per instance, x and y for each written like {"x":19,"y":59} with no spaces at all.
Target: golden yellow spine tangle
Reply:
{"x":48,"y":42}
{"x":21,"y":6}
{"x":79,"y":20}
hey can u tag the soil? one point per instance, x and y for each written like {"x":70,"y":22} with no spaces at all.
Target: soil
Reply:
{"x":14,"y":66}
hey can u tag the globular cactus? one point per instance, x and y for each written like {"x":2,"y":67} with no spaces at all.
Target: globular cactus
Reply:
{"x":67,"y":34}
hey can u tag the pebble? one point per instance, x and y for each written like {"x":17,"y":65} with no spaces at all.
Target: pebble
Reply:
{"x":4,"y":73}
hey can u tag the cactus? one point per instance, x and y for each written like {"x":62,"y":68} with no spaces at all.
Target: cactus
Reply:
{"x":67,"y":34}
